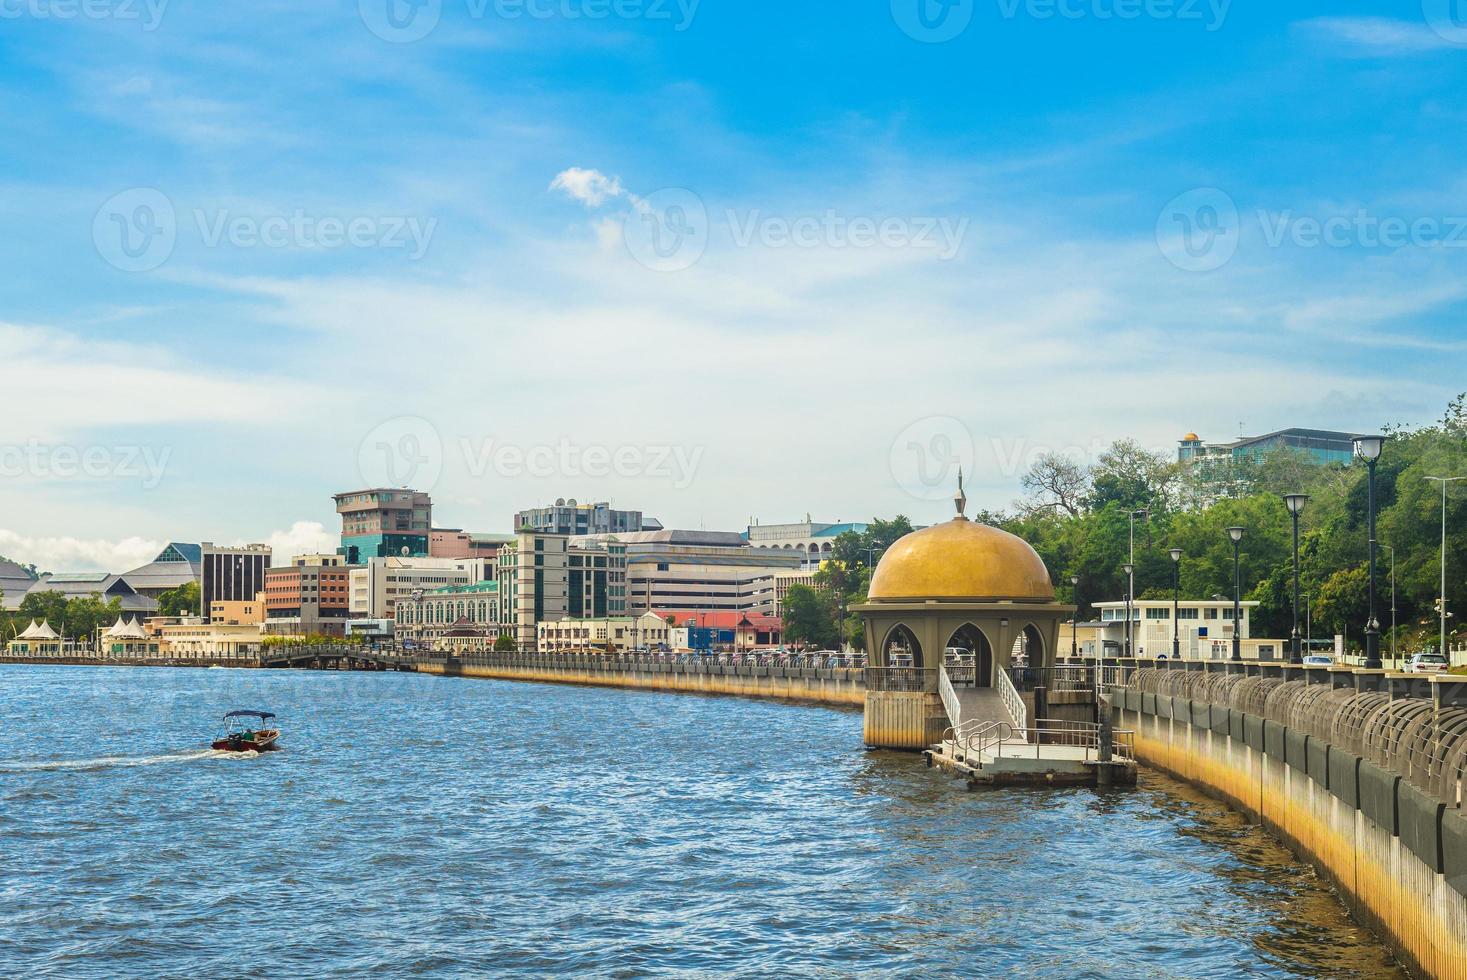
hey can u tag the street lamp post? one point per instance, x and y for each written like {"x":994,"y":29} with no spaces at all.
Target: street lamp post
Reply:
{"x":1369,"y":448}
{"x":1130,"y":571}
{"x":1393,"y":601}
{"x":1075,"y":620}
{"x":1176,"y":603}
{"x":1445,"y":481}
{"x":1295,"y":502}
{"x":1236,"y":533}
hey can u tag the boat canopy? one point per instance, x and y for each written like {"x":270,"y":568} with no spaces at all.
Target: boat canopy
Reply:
{"x":262,"y":715}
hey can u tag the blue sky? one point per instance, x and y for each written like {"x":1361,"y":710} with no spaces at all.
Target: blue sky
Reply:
{"x":714,"y":260}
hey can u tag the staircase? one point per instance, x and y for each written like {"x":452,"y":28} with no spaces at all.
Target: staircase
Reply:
{"x":984,"y":704}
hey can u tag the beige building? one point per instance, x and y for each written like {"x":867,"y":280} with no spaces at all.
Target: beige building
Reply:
{"x":711,"y":571}
{"x":456,"y":617}
{"x":237,"y":612}
{"x":192,"y":640}
{"x":617,"y":634}
{"x":784,"y":580}
{"x":381,"y":582}
{"x":1205,"y":628}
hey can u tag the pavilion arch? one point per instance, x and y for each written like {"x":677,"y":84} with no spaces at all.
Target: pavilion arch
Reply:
{"x":901,"y":639}
{"x":1031,"y":640}
{"x":971,"y":637}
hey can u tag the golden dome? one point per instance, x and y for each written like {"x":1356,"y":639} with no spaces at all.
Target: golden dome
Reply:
{"x":964,"y":561}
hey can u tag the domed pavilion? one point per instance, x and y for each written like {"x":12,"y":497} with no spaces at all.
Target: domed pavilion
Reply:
{"x":972,"y":597}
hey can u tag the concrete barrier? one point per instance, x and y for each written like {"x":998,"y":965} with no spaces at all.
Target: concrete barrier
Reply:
{"x":1395,"y":853}
{"x":833,"y":686}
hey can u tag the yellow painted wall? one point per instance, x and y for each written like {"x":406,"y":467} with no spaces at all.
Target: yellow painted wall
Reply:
{"x":847,"y":687}
{"x":1386,"y":886}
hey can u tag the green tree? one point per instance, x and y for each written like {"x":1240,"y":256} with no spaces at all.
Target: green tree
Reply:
{"x":182,"y":601}
{"x":809,"y":616}
{"x":504,"y":644}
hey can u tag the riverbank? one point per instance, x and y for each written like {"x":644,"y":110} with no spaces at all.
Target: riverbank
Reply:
{"x":838,"y":686}
{"x":1393,"y":853}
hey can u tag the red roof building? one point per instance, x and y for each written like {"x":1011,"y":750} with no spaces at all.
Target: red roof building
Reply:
{"x":750,"y":629}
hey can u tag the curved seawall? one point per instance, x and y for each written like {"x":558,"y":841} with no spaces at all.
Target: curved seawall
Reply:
{"x":818,"y":685}
{"x":1358,"y":772}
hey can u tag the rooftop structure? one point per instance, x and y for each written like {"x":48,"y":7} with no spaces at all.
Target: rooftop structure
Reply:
{"x":79,"y":585}
{"x":1321,"y":445}
{"x":569,"y":517}
{"x":176,"y":565}
{"x":15,"y":581}
{"x":812,"y":539}
{"x":384,"y":522}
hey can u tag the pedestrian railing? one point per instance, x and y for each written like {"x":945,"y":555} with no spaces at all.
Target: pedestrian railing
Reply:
{"x":899,"y":679}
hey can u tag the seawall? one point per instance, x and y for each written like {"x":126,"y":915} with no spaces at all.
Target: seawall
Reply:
{"x":1360,"y":782}
{"x":817,"y":685}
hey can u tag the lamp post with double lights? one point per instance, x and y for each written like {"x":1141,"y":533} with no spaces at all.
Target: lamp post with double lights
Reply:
{"x":1236,"y":533}
{"x":1176,"y":603}
{"x":1445,"y":481}
{"x":1369,"y":449}
{"x":1296,"y":502}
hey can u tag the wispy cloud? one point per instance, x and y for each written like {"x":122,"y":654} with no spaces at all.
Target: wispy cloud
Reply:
{"x":1376,"y":36}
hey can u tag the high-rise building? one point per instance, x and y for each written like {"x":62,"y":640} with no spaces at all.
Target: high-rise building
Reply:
{"x":703,"y":570}
{"x":547,"y":576}
{"x":310,"y":595}
{"x":231,"y":574}
{"x":382,"y":523}
{"x":569,"y":517}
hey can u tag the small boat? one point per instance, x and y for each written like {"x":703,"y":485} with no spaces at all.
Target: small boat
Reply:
{"x":242,"y":735}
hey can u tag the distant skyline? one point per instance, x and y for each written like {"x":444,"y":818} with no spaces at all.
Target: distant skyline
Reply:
{"x":710,"y":261}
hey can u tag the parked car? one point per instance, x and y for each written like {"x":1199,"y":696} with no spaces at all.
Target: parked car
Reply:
{"x":1318,"y":660}
{"x":1426,"y":663}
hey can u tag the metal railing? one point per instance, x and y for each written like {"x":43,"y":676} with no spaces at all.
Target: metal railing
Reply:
{"x":1072,"y":677}
{"x":949,"y":697}
{"x":979,"y":737}
{"x":1012,"y":701}
{"x":998,"y":738}
{"x":906,"y":679}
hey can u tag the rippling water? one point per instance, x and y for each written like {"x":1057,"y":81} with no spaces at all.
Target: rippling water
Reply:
{"x":430,"y":826}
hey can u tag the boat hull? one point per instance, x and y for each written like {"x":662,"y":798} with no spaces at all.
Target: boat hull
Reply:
{"x":262,"y":742}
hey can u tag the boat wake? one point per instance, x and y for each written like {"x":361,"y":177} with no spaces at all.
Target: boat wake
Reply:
{"x":122,"y":761}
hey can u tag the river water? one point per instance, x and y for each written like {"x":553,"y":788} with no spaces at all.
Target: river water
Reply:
{"x":415,"y":825}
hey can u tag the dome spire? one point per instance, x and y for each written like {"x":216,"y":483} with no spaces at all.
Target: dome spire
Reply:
{"x":960,"y":498}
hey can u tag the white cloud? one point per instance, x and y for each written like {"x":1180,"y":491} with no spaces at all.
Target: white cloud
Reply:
{"x":1377,"y":36}
{"x":67,"y":554}
{"x":591,"y":187}
{"x":139,"y":385}
{"x":303,"y":538}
